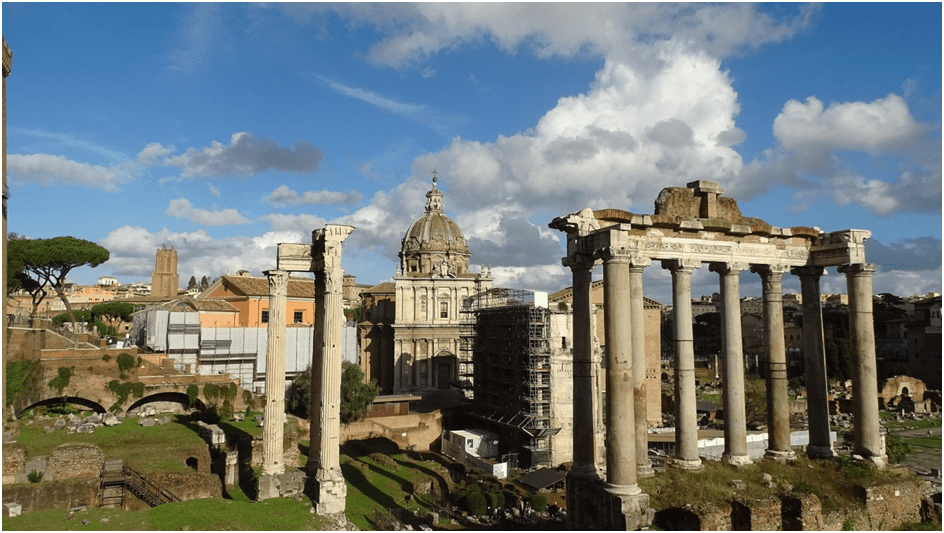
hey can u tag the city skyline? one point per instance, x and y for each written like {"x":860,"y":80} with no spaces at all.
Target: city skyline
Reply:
{"x":223,"y":129}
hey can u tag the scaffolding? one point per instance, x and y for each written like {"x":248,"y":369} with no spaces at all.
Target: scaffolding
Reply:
{"x":506,"y":344}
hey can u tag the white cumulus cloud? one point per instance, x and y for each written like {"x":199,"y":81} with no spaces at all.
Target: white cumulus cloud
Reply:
{"x":48,"y":170}
{"x":284,"y":196}
{"x":181,"y":208}
{"x":245,"y":156}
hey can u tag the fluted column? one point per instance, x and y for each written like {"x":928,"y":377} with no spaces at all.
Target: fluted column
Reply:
{"x":640,"y":394}
{"x":814,"y":351}
{"x":866,"y":429}
{"x":735,"y":419}
{"x":778,"y":401}
{"x":273,"y":462}
{"x":620,"y":414}
{"x":585,"y":394}
{"x":324,"y":446}
{"x":686,"y":415}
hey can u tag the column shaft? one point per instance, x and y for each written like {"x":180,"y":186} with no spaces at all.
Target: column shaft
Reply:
{"x":272,"y":455}
{"x":686,"y":415}
{"x":640,"y":394}
{"x":735,"y":419}
{"x":778,"y":402}
{"x":620,"y":414}
{"x":585,"y":394}
{"x":867,"y":431}
{"x":814,"y":351}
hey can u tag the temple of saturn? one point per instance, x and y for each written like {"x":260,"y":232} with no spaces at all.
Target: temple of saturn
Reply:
{"x":691,"y":226}
{"x":323,"y":480}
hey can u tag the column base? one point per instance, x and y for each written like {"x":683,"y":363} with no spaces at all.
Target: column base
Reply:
{"x":645,"y":471}
{"x":585,"y":471}
{"x":780,"y":456}
{"x":736,"y":460}
{"x":686,"y":464}
{"x":597,"y":506}
{"x":622,"y":490}
{"x":820,"y":452}
{"x":279,"y":485}
{"x":328,"y":491}
{"x":881,"y":461}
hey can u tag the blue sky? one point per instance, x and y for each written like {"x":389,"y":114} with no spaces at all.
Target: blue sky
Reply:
{"x":222,"y":129}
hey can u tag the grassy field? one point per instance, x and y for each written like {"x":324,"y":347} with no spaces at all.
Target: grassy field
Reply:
{"x":197,"y":515}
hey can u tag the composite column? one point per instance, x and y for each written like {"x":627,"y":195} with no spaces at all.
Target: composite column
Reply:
{"x":686,"y":415}
{"x":735,"y":419}
{"x":866,"y":429}
{"x":814,"y":351}
{"x":273,"y":462}
{"x":778,"y":401}
{"x":620,"y":414}
{"x":329,"y":488}
{"x":640,"y":394}
{"x":585,"y":394}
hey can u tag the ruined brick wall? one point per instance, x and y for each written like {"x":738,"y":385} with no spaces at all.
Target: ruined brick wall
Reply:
{"x":890,"y":505}
{"x":713,"y":517}
{"x":421,"y":430}
{"x":73,"y":461}
{"x":60,"y":495}
{"x":756,"y":515}
{"x":14,"y":461}
{"x":190,"y":486}
{"x":113,"y":353}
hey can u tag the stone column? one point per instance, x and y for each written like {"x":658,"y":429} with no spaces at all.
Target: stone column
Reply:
{"x":585,"y":394}
{"x":326,"y":483}
{"x":814,"y":351}
{"x":686,"y":415}
{"x":273,"y":463}
{"x":735,"y":419}
{"x":640,"y":394}
{"x":778,"y":401}
{"x":867,"y":431}
{"x":620,"y":413}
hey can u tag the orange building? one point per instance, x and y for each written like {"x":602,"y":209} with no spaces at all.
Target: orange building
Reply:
{"x":250,"y":296}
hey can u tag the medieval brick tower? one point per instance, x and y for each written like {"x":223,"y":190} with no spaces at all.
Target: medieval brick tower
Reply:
{"x":164,"y":279}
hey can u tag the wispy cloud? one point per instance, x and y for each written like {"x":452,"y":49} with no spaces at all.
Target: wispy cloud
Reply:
{"x":72,"y":141}
{"x":198,"y":37}
{"x":284,"y":196}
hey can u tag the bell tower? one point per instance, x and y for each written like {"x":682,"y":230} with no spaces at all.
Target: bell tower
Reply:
{"x":164,"y":279}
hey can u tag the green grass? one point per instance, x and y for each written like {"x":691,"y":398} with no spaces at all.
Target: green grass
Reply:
{"x":927,"y":442}
{"x":146,"y":449}
{"x":199,"y":515}
{"x":888,"y":419}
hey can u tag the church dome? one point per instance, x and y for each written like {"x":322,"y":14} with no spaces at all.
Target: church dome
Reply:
{"x":434,"y":243}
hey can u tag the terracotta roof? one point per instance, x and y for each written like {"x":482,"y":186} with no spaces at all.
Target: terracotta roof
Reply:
{"x":383,"y":288}
{"x":256,"y":286}
{"x":213,"y":306}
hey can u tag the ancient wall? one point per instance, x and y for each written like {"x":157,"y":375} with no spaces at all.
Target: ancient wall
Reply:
{"x":421,"y":430}
{"x":73,"y":461}
{"x":60,"y":495}
{"x":890,"y":505}
{"x":14,"y":462}
{"x":50,"y":354}
{"x":191,"y":486}
{"x":756,"y":515}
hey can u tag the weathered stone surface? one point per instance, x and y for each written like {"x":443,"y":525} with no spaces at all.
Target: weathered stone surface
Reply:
{"x":147,"y":422}
{"x":73,"y":461}
{"x":12,"y":509}
{"x":110,"y":420}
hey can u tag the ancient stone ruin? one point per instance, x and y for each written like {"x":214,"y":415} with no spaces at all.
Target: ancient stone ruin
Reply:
{"x":691,"y":226}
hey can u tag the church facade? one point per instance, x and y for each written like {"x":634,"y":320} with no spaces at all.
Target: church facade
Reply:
{"x":410,"y":328}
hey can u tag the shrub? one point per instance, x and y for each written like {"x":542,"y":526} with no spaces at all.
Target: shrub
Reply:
{"x":475,"y":503}
{"x":249,"y":401}
{"x":538,"y":502}
{"x":23,"y":379}
{"x":106,"y":358}
{"x":61,"y":381}
{"x":192,"y":392}
{"x":496,"y":500}
{"x":125,"y":363}
{"x":897,"y":448}
{"x":511,"y":497}
{"x":34,"y":476}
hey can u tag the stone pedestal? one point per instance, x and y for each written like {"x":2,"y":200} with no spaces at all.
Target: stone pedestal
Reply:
{"x":595,"y":506}
{"x":284,"y":484}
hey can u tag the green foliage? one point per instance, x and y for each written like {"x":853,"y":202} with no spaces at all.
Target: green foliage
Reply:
{"x":125,"y":363}
{"x":897,"y":448}
{"x":562,"y":306}
{"x":755,"y":400}
{"x":299,"y":394}
{"x":249,"y":401}
{"x":34,"y":476}
{"x":22,"y":380}
{"x":122,"y":390}
{"x":114,"y":311}
{"x":496,"y":500}
{"x":61,"y":381}
{"x":192,"y":392}
{"x":211,"y":391}
{"x":356,"y":396}
{"x":538,"y":502}
{"x":354,"y":314}
{"x":81,"y":315}
{"x":106,"y":358}
{"x":475,"y":503}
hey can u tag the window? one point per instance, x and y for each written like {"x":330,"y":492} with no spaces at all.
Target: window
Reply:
{"x":443,"y":309}
{"x":299,"y":317}
{"x":265,"y":317}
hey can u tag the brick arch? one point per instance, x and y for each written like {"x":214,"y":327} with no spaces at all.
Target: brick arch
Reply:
{"x":167,"y":396}
{"x":57,"y":400}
